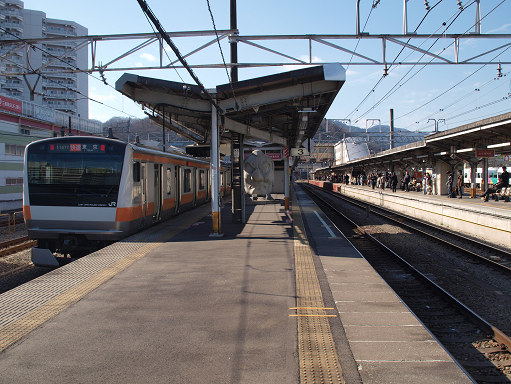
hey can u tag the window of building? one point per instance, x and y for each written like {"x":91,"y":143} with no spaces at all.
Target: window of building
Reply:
{"x":14,"y":181}
{"x":14,"y":150}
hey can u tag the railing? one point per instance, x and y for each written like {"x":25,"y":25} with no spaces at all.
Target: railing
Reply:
{"x":64,"y":75}
{"x":14,"y":219}
{"x":15,"y":13}
{"x":8,"y":220}
{"x":60,"y":31}
{"x":61,"y":118}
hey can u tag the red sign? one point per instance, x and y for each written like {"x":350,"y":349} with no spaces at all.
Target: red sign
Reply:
{"x":10,"y":105}
{"x":485,"y":152}
{"x":286,"y":152}
{"x":274,"y":156}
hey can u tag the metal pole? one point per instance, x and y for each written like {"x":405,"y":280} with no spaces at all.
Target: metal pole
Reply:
{"x":357,"y":29}
{"x":237,"y":160}
{"x":286,"y":182}
{"x":215,"y":175}
{"x":478,"y":17}
{"x":391,"y":128}
{"x":163,"y":115}
{"x":234,"y":45}
{"x":405,"y":18}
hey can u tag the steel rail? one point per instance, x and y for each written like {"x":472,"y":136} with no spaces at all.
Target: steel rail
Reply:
{"x":498,"y":335}
{"x":497,"y":252}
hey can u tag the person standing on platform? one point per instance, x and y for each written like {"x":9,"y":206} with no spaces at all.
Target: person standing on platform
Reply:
{"x":393,"y":181}
{"x":407,"y":181}
{"x":449,"y":184}
{"x":373,"y":180}
{"x":459,"y":183}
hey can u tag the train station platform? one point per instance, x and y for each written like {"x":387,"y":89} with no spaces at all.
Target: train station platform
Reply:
{"x":489,"y":221}
{"x":283,"y":298}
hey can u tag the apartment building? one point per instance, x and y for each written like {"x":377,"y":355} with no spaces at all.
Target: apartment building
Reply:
{"x":53,"y":89}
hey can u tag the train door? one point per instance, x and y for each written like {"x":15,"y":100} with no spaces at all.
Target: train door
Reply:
{"x":143,"y":179}
{"x":208,"y":185}
{"x":195,"y":186}
{"x":157,"y":192}
{"x":177,"y":188}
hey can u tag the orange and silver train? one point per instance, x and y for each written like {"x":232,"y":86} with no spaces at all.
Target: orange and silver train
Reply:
{"x":82,"y":193}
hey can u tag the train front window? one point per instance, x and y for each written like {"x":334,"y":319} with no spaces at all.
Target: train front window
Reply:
{"x":74,"y":173}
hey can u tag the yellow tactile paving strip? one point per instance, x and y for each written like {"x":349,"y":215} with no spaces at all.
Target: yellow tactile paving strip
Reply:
{"x":318,"y":358}
{"x":14,"y":331}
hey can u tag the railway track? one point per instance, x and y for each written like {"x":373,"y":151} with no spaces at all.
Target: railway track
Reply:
{"x":494,"y":257}
{"x":16,"y":245}
{"x":478,"y":346}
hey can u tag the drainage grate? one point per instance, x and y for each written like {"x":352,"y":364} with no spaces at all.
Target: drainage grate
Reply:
{"x":318,"y":357}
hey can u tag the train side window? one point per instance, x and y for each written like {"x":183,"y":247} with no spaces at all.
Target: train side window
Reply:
{"x":169,"y":179}
{"x":136,"y":172}
{"x":187,"y":187}
{"x":201,"y":180}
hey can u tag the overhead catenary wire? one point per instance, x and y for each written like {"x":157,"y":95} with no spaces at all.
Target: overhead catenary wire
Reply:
{"x":53,"y":81}
{"x":443,"y":93}
{"x":145,"y":8}
{"x":391,"y":65}
{"x":394,"y":88}
{"x":222,"y":53}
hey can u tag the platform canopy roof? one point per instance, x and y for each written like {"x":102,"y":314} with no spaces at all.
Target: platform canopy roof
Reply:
{"x":267,"y":110}
{"x":451,"y":146}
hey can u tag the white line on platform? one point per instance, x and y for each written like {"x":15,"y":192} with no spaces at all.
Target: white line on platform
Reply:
{"x":325,"y":225}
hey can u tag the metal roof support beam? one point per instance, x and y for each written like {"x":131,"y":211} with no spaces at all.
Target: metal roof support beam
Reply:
{"x":406,"y":45}
{"x":232,"y":125}
{"x":239,"y":39}
{"x":344,"y":50}
{"x":199,"y":49}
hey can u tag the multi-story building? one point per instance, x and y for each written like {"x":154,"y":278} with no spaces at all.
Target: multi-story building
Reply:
{"x":53,"y":89}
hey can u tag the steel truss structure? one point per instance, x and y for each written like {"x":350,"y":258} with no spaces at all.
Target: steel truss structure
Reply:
{"x":379,"y":58}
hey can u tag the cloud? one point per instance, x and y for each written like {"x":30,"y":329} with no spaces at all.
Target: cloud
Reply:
{"x":148,"y":57}
{"x":503,"y":28}
{"x":103,"y":97}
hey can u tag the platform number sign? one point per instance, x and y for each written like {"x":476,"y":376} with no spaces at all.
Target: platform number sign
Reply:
{"x":299,"y":152}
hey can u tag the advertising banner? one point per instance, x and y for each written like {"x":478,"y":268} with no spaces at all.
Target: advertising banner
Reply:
{"x":45,"y":114}
{"x":10,"y":105}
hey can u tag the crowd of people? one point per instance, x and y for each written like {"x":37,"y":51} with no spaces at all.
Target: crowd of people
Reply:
{"x":382,"y":180}
{"x":407,"y":183}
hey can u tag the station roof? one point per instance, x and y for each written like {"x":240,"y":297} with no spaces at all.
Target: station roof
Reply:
{"x":451,"y":146}
{"x":268,"y":110}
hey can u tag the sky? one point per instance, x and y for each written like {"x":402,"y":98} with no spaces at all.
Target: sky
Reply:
{"x":458,"y":94}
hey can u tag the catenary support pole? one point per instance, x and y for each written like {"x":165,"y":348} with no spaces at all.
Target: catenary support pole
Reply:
{"x":215,"y":175}
{"x":286,"y":182}
{"x":237,"y":160}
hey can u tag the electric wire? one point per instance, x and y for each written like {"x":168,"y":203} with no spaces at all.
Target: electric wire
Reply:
{"x":222,"y":53}
{"x":391,"y":65}
{"x":394,"y":88}
{"x":53,"y":81}
{"x":433,"y":59}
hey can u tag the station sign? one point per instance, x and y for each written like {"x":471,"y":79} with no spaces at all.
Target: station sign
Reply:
{"x":299,"y":152}
{"x":485,"y":152}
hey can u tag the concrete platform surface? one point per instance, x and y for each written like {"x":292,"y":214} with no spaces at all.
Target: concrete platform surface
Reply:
{"x":194,"y":310}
